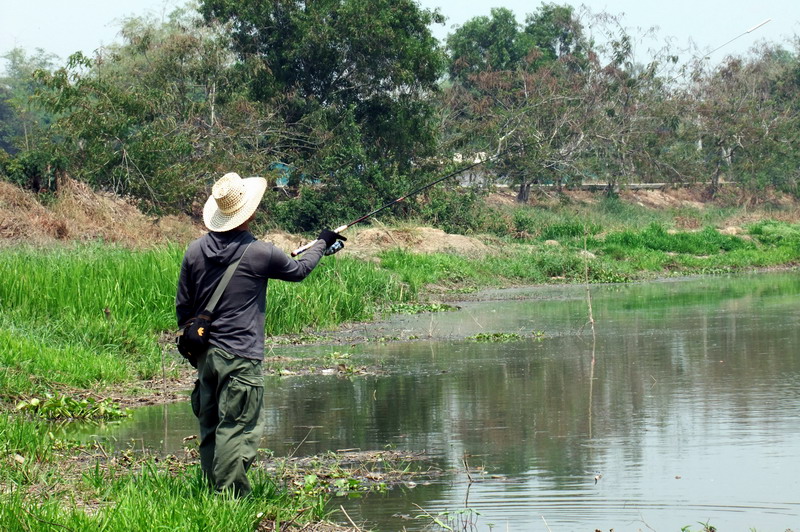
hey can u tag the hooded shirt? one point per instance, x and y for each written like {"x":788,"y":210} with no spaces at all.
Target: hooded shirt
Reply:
{"x":237,"y":323}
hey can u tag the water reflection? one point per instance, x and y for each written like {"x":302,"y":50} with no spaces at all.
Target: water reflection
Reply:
{"x":689,"y":413}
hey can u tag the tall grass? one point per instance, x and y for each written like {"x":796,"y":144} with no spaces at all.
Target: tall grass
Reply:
{"x":132,"y":288}
{"x":90,"y":315}
{"x":83,"y":316}
{"x":339,"y":290}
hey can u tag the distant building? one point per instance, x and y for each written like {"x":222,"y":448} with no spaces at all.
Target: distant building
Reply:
{"x":478,"y":175}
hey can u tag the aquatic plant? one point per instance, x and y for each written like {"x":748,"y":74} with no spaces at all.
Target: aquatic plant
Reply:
{"x":418,"y":308}
{"x":66,"y":407}
{"x":496,"y":337}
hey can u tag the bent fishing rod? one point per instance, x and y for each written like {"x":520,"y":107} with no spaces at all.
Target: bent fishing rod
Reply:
{"x":341,"y":228}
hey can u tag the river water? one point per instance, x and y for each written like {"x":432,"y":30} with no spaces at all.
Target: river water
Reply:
{"x":690,"y":412}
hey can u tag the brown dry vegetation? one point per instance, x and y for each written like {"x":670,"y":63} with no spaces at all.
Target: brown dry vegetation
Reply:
{"x":78,"y":213}
{"x":367,"y":242}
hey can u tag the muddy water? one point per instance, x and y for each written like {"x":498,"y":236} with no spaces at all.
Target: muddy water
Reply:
{"x":690,"y":412}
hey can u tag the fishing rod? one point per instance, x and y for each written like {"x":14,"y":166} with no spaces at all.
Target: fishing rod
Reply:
{"x":338,"y":245}
{"x":754,"y":28}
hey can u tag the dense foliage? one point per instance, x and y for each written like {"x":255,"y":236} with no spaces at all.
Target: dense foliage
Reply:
{"x":348,"y":104}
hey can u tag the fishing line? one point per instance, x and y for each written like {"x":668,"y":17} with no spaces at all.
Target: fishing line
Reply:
{"x":754,"y":28}
{"x":414,"y":192}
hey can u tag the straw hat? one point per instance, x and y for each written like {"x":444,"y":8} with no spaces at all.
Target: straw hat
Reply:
{"x":233,"y":200}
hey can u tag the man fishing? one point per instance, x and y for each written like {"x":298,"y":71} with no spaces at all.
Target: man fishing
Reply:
{"x":228,"y":394}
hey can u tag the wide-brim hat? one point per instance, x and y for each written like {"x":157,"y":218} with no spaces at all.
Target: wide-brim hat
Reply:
{"x":233,"y":201}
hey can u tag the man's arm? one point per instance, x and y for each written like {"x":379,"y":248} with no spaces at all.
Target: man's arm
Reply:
{"x":282,"y":267}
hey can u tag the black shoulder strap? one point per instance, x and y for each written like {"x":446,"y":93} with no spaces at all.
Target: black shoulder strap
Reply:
{"x":223,"y":283}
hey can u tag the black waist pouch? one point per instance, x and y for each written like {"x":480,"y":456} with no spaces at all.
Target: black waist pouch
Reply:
{"x":193,"y":338}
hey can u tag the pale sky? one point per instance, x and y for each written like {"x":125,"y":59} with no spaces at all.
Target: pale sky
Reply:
{"x":65,"y":26}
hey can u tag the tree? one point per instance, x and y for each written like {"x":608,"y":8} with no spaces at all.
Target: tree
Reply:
{"x":500,"y":43}
{"x":9,"y":121}
{"x":353,"y":78}
{"x":377,"y":58}
{"x":523,"y":90}
{"x":140,"y":119}
{"x":747,"y":114}
{"x":556,"y":33}
{"x":485,"y":44}
{"x":20,"y":121}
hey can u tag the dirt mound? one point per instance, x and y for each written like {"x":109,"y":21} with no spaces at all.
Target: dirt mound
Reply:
{"x":80,"y":214}
{"x":501,"y":197}
{"x":370,"y":241}
{"x":417,"y":239}
{"x":661,"y":199}
{"x":22,"y":217}
{"x":285,"y":241}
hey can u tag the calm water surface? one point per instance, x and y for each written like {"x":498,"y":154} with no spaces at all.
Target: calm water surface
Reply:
{"x":690,"y":412}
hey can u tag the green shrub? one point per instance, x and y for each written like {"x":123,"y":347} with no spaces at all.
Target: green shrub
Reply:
{"x":656,"y":237}
{"x":776,"y":233}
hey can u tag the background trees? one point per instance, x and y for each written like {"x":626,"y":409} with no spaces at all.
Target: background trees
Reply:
{"x":355,"y":78}
{"x":137,"y":119}
{"x":524,"y":90}
{"x":746,"y":117}
{"x":354,"y":102}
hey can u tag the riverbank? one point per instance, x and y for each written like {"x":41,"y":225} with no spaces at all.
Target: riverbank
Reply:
{"x":85,"y":329}
{"x":99,"y":318}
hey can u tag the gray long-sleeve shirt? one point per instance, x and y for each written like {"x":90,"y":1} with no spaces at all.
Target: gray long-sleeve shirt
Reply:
{"x":238,"y":320}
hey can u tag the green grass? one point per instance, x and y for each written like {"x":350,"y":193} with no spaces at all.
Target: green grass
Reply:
{"x":150,"y":497}
{"x":571,"y":221}
{"x":43,"y":492}
{"x":339,"y":290}
{"x":656,"y":237}
{"x":89,"y":317}
{"x":776,"y":233}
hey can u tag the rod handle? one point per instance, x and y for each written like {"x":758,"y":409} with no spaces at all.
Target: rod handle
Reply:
{"x":305,"y":247}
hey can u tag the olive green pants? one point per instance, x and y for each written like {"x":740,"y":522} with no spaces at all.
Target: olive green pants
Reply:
{"x":227,"y":401}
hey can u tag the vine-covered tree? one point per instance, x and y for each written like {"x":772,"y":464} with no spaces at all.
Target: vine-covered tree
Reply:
{"x":358,"y":74}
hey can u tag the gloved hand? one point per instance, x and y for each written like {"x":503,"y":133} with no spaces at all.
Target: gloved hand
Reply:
{"x":329,"y":237}
{"x":337,"y":246}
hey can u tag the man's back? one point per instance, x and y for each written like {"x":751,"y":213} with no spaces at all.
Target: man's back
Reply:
{"x":238,"y":321}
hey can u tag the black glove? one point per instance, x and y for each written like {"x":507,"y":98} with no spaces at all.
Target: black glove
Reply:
{"x":329,"y":237}
{"x":337,"y":246}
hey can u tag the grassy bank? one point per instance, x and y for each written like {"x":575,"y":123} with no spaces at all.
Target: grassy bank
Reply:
{"x":94,"y":318}
{"x":51,"y":485}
